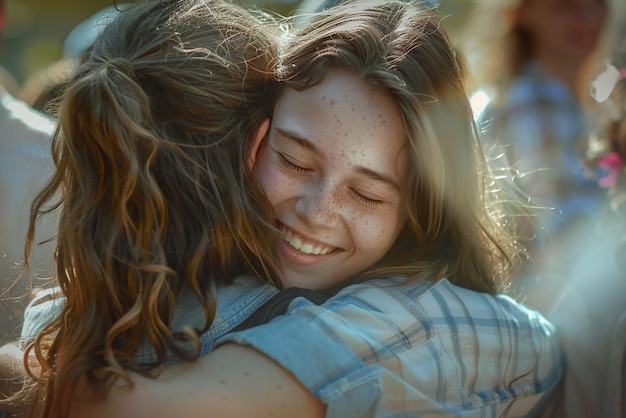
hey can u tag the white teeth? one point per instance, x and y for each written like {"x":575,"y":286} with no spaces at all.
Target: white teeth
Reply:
{"x":306,"y":248}
{"x":295,"y":243}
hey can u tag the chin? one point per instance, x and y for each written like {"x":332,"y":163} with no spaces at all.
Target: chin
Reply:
{"x":306,"y":282}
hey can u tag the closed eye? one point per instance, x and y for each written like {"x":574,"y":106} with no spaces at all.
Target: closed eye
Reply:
{"x":289,"y":165}
{"x":368,"y":201}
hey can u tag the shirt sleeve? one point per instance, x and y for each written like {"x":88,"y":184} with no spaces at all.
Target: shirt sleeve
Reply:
{"x":427,"y":349}
{"x":45,"y":306}
{"x":324,"y":365}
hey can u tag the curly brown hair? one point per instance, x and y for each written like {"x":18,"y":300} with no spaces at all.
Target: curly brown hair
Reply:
{"x":153,"y":187}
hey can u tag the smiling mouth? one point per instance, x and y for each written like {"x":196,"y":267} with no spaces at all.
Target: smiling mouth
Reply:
{"x":305,"y":247}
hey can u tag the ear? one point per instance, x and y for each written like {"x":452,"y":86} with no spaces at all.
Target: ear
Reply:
{"x":256,"y":139}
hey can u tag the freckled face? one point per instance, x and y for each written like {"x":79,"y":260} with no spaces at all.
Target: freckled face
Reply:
{"x":332,"y":166}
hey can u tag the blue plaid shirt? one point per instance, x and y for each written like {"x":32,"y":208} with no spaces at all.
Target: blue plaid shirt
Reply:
{"x":543,"y":131}
{"x":386,"y":348}
{"x":415,"y":349}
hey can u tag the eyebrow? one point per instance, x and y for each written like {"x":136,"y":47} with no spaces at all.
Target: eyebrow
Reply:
{"x":367,"y":172}
{"x":380,"y":177}
{"x":302,"y":142}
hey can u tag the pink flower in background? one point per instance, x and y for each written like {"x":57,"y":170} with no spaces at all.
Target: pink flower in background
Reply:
{"x":613,"y":163}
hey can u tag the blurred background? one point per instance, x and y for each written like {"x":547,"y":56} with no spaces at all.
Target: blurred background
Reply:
{"x":37,"y":29}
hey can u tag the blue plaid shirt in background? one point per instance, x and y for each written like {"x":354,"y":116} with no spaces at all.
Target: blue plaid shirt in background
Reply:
{"x":386,"y":348}
{"x":543,"y":131}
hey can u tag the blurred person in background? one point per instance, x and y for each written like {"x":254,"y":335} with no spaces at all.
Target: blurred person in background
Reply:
{"x":530,"y":60}
{"x":25,"y":164}
{"x":533,"y":61}
{"x":589,"y":311}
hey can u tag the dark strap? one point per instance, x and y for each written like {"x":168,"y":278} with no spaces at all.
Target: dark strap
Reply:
{"x":278,"y":305}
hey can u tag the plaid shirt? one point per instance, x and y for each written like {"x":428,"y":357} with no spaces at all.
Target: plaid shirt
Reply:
{"x":420,"y":349}
{"x":376,"y":350}
{"x":543,"y":131}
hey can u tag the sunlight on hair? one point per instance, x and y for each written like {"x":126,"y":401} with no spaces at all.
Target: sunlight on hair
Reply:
{"x":479,"y":101}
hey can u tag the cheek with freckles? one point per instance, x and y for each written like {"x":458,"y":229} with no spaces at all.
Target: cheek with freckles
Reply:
{"x":375,"y":234}
{"x":277,"y":186}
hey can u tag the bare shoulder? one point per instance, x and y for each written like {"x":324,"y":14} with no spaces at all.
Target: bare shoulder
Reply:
{"x":233,"y":381}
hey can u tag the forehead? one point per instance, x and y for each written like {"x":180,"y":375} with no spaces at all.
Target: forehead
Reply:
{"x":340,"y":99}
{"x":345,"y":114}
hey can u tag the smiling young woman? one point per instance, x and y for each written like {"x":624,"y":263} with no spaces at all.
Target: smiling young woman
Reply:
{"x":332,"y":165}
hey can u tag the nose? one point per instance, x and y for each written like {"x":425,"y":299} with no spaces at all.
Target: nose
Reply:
{"x":319,"y":205}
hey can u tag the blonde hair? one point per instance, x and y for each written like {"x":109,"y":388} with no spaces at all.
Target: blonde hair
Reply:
{"x":456,"y":226}
{"x":152,"y":186}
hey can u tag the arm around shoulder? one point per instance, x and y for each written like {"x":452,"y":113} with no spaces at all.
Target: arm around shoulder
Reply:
{"x":233,"y":381}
